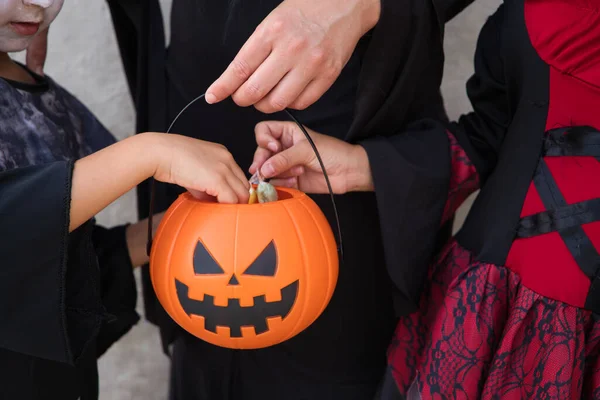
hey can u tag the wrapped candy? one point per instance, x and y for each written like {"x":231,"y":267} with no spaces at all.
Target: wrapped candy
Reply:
{"x":264,"y":192}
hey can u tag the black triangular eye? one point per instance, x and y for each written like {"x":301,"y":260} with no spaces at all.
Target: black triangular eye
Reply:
{"x":265,"y":264}
{"x":204,"y":263}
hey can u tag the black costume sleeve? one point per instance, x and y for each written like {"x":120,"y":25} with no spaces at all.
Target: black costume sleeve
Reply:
{"x":117,"y":283}
{"x":51,"y":289}
{"x":402,"y":67}
{"x":416,"y":171}
{"x":35,"y":303}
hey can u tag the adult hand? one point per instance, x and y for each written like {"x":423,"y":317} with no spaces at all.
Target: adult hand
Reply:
{"x":285,"y":155}
{"x":36,"y":52}
{"x":295,"y":54}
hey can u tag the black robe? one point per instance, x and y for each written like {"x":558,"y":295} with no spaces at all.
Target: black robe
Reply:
{"x":399,"y":79}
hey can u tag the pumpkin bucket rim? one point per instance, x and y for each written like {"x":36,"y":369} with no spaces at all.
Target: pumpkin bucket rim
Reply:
{"x":284,"y":194}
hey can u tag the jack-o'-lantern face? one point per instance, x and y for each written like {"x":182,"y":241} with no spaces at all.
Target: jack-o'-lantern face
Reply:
{"x":244,"y":276}
{"x":234,"y":315}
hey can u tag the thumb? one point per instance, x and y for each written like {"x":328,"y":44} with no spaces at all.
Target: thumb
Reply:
{"x":299,"y":154}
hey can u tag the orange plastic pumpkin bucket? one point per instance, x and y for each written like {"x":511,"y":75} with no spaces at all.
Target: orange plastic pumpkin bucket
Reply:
{"x":244,"y":276}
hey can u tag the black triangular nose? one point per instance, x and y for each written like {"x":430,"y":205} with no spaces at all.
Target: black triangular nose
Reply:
{"x":233,"y":281}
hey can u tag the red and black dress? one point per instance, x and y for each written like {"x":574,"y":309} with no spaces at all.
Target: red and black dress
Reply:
{"x":510,"y":307}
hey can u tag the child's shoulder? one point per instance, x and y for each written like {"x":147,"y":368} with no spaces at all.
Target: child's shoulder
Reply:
{"x":93,"y":132}
{"x":50,"y":119}
{"x":62,"y":94}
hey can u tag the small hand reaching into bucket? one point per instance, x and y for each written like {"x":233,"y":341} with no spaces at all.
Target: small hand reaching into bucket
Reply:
{"x":205,"y":169}
{"x":285,"y":156}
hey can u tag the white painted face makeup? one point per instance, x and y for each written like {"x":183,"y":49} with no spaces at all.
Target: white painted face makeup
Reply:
{"x":21,"y":20}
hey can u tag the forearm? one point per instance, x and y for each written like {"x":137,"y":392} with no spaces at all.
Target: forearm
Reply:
{"x":359,"y":176}
{"x":102,"y":177}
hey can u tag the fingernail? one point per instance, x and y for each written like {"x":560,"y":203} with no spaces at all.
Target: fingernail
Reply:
{"x":272,"y":146}
{"x":210,"y":98}
{"x":267,"y":170}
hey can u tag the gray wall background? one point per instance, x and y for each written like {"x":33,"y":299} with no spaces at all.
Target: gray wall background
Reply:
{"x":84,"y":58}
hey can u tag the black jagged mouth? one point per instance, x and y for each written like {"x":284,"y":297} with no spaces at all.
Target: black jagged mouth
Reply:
{"x":234,"y":316}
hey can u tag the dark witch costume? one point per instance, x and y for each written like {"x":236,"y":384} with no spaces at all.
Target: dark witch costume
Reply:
{"x":510,"y":310}
{"x":65,"y":298}
{"x":393,"y":77}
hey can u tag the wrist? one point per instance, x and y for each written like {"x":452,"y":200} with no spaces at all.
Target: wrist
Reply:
{"x":359,"y":175}
{"x":151,"y":148}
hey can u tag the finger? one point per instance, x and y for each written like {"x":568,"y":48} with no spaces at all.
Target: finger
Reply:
{"x":289,"y":182}
{"x":260,"y":156}
{"x":291,"y":173}
{"x":238,"y":187}
{"x":273,"y":134}
{"x":266,"y":76}
{"x":219,"y":187}
{"x":225,"y":194}
{"x":283,"y":94}
{"x":239,"y":174}
{"x":202,"y":196}
{"x":36,"y":53}
{"x":252,"y":54}
{"x":298,"y":154}
{"x":313,"y":92}
{"x":286,"y":91}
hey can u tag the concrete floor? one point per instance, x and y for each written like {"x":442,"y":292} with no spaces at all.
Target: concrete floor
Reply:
{"x":135,"y":368}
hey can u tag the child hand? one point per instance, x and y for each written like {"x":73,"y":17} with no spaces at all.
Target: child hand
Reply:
{"x":136,"y":236}
{"x":203,"y":168}
{"x":285,"y":155}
